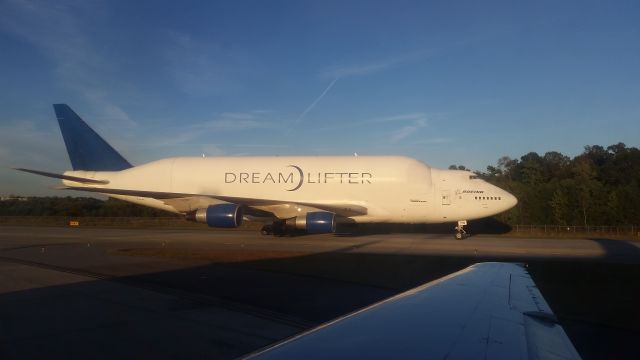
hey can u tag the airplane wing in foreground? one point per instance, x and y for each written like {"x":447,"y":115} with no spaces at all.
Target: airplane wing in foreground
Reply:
{"x":486,"y":311}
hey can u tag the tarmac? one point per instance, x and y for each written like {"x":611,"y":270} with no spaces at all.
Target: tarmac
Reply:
{"x":130,"y":293}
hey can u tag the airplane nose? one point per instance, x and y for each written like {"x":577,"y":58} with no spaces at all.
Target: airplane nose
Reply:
{"x":511,"y":200}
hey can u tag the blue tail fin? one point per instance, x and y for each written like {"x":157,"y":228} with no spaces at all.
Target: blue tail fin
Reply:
{"x":87,"y":150}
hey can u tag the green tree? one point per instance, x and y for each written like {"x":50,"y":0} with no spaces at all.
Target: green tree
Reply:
{"x":457,"y":167}
{"x":584,"y":174}
{"x":560,"y":205}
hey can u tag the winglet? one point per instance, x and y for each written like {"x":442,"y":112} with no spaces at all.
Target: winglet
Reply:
{"x":87,"y":150}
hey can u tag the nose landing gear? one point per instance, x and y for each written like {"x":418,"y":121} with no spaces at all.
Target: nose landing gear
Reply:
{"x":460,"y":233}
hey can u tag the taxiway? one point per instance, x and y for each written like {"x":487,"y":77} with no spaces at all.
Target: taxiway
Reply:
{"x":106,"y":293}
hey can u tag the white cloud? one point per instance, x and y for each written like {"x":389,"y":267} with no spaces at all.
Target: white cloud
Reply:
{"x":403,"y":125}
{"x":212,"y":150}
{"x":374,"y":66}
{"x":339,"y":72}
{"x":416,"y":116}
{"x":435,"y":140}
{"x":58,"y":30}
{"x":344,"y":71}
{"x":227,"y":122}
{"x":52,"y":29}
{"x":409,"y":123}
{"x":261,"y":146}
{"x":107,"y":111}
{"x":407,"y":130}
{"x":232,"y":122}
{"x":201,"y":68}
{"x":24,"y":144}
{"x":230,"y":125}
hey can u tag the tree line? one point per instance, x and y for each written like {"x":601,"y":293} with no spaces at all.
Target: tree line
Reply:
{"x":601,"y":186}
{"x":75,"y":206}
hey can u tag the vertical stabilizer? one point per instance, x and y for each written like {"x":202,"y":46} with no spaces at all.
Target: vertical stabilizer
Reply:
{"x":87,"y":150}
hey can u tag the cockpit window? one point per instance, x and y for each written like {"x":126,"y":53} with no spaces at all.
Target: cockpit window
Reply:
{"x":473,"y":177}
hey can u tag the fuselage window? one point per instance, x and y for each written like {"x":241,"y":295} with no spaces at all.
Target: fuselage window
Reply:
{"x":473,"y":177}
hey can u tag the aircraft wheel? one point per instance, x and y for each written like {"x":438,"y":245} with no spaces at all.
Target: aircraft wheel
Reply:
{"x":266,"y":230}
{"x":278,"y":229}
{"x":458,"y":236}
{"x":279,"y":233}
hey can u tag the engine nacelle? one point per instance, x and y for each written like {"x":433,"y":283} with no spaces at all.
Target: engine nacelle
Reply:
{"x":316,"y":222}
{"x":221,"y":215}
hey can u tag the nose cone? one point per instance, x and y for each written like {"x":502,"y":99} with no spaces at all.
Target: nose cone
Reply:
{"x":510,"y":202}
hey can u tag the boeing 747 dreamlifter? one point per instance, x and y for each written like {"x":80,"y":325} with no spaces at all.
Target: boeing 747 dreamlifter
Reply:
{"x":309,"y":193}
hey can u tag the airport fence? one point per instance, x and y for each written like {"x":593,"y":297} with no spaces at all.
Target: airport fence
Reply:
{"x":571,"y":230}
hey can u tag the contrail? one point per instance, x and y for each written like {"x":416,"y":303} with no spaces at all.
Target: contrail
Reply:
{"x":317,"y":100}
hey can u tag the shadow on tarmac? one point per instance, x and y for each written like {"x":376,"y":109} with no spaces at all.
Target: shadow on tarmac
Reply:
{"x":595,"y":300}
{"x":489,"y":226}
{"x":617,"y":250}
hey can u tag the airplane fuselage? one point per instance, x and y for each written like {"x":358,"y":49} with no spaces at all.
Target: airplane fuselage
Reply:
{"x":391,"y":188}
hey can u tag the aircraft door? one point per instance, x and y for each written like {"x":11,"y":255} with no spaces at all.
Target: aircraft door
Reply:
{"x":446,"y":197}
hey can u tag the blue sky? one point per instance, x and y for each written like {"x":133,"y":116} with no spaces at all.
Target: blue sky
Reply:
{"x":447,"y":82}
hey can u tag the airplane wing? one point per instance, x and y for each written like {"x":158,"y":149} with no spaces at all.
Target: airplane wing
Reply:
{"x":280,"y":208}
{"x":486,"y":311}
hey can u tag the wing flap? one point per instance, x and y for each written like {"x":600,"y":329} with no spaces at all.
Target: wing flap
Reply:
{"x":190,"y":203}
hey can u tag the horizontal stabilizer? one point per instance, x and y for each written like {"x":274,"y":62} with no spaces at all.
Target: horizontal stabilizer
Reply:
{"x":65,"y":177}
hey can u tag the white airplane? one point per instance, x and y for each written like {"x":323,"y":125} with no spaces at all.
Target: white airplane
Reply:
{"x":309,"y":193}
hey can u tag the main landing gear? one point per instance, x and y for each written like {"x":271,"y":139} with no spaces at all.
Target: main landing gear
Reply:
{"x":266,"y":230}
{"x":460,"y":233}
{"x":277,"y":228}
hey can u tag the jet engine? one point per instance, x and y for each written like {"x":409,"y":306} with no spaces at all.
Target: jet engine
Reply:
{"x":221,"y":215}
{"x":315,"y":222}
